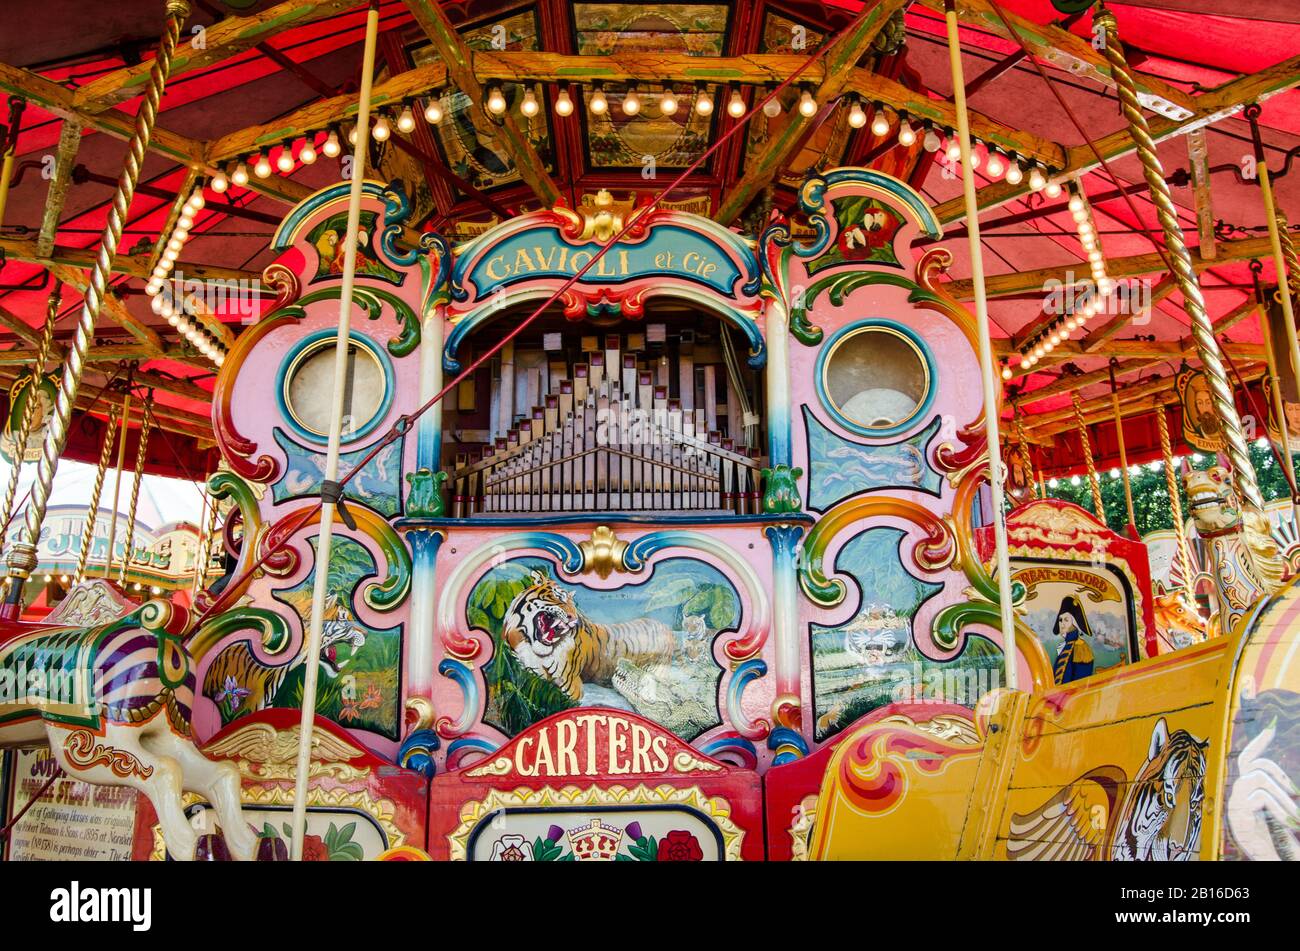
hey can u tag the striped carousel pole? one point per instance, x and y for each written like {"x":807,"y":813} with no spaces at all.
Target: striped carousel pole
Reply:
{"x":1180,"y":261}
{"x":22,"y":559}
{"x":992,"y":385}
{"x":330,"y":487}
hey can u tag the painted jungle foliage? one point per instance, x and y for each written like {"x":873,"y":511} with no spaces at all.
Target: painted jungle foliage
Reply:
{"x":645,"y":647}
{"x":360,"y":666}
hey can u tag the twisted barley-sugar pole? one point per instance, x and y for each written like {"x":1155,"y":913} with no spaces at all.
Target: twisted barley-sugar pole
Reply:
{"x":28,"y":419}
{"x":92,"y":510}
{"x":117,"y":481}
{"x":204,"y":554}
{"x":141,"y":452}
{"x":1123,"y":451}
{"x":1180,"y":261}
{"x":1171,"y":485}
{"x":22,"y":559}
{"x":1099,"y":509}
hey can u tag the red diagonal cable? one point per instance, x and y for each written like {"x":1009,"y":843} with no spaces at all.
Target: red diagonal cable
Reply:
{"x":403,"y":425}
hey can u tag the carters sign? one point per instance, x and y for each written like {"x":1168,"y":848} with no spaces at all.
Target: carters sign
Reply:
{"x":596,"y":784}
{"x":595,"y":743}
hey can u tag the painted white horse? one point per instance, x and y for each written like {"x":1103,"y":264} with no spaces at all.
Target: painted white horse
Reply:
{"x":109,"y":686}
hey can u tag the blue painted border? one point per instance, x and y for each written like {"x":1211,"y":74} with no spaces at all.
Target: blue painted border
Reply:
{"x":922,"y":410}
{"x":311,"y":340}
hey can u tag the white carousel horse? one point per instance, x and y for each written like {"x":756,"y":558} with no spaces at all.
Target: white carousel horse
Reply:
{"x":110,"y":686}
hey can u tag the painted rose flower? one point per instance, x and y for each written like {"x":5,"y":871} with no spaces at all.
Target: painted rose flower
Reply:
{"x":679,"y":846}
{"x":314,"y":850}
{"x":512,"y":848}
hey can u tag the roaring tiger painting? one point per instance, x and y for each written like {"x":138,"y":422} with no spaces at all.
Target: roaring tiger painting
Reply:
{"x":552,"y":638}
{"x":1158,"y":819}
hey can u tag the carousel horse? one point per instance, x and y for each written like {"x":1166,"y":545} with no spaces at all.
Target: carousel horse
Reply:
{"x":1243,"y":559}
{"x":109,"y":686}
{"x":1178,"y":625}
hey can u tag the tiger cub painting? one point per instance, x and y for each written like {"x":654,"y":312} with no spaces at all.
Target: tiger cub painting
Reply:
{"x":552,"y":638}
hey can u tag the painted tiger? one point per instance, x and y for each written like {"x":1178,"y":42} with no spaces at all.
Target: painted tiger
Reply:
{"x":551,"y":637}
{"x":240,"y":683}
{"x":1160,"y":820}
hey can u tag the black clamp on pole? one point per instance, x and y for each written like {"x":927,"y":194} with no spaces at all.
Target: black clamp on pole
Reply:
{"x":331,"y":491}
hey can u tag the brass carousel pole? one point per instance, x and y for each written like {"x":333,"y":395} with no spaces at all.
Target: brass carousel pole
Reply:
{"x":117,"y":481}
{"x":1176,"y":503}
{"x":1180,"y":261}
{"x":92,"y":510}
{"x":141,"y":451}
{"x":29,"y":410}
{"x":1285,"y":268}
{"x":22,"y":559}
{"x":988,"y":368}
{"x":1123,"y":454}
{"x":1099,"y":509}
{"x":1275,"y":390}
{"x":204,"y":554}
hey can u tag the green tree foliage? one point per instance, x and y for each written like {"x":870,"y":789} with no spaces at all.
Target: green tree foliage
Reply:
{"x":1151,"y":508}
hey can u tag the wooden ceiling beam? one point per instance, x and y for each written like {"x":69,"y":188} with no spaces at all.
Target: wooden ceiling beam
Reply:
{"x":1208,"y":108}
{"x":222,"y":40}
{"x":59,"y":100}
{"x":839,"y":61}
{"x":1071,"y":54}
{"x":131,"y":265}
{"x":1036,"y":281}
{"x":458,"y":60}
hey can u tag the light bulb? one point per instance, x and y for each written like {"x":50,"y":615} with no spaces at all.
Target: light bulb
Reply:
{"x":433,"y":111}
{"x":906,"y":134}
{"x":332,"y":148}
{"x":932,"y":141}
{"x":262,"y":168}
{"x":807,"y":105}
{"x":529,"y":106}
{"x":1036,"y":179}
{"x":185,"y":222}
{"x":1052,"y":189}
{"x":704,"y":103}
{"x":285,"y":161}
{"x":48,"y":579}
{"x":381,"y":131}
{"x":668,"y":103}
{"x":307,"y":154}
{"x":219,"y":181}
{"x":880,"y":122}
{"x":153,"y":288}
{"x":196,"y":200}
{"x":352,"y":136}
{"x":976,"y":156}
{"x":240,"y":175}
{"x":1006,"y":373}
{"x":772,"y":108}
{"x":496,"y":101}
{"x":631,"y":102}
{"x":858,"y":118}
{"x":1076,"y":205}
{"x":406,"y":121}
{"x":156,"y":304}
{"x":563,"y":104}
{"x":736,"y":105}
{"x":954,"y":150}
{"x":995,"y":166}
{"x":1014,"y":173}
{"x":598,"y":104}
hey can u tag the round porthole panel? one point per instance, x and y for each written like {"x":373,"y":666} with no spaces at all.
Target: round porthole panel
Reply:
{"x":307,"y":386}
{"x":876,"y":378}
